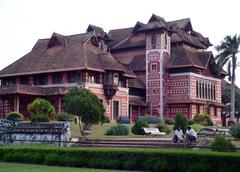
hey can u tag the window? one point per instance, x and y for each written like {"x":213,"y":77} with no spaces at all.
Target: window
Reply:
{"x":24,"y":80}
{"x":215,"y":111}
{"x":197,"y":91}
{"x":57,"y":78}
{"x":116,"y":79}
{"x":9,"y":81}
{"x":154,"y":67}
{"x":75,"y":77}
{"x":40,"y":80}
{"x":198,"y":109}
{"x":214,"y":92}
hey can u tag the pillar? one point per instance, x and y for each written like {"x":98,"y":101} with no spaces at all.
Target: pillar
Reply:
{"x":16,"y":103}
{"x":59,"y":104}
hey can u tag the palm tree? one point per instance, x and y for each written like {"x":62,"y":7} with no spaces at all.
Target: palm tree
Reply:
{"x":228,"y":49}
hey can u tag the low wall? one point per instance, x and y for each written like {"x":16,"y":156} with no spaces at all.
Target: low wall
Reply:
{"x":26,"y":132}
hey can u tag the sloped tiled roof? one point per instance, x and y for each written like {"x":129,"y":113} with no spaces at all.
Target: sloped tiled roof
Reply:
{"x":76,"y":55}
{"x":181,"y":32}
{"x":184,"y":57}
{"x":138,"y":63}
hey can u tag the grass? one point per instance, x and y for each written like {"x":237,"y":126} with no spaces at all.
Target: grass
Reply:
{"x":98,"y":131}
{"x":16,"y":167}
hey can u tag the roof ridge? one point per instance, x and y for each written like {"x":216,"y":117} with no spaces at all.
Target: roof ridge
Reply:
{"x":188,"y":18}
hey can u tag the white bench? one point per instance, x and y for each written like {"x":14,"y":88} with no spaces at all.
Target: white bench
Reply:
{"x":153,"y":132}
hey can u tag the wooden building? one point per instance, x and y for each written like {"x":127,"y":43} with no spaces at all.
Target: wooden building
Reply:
{"x":158,"y":68}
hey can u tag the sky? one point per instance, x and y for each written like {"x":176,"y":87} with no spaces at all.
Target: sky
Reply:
{"x":23,"y":22}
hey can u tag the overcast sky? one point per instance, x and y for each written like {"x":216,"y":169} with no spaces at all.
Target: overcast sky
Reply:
{"x":23,"y":22}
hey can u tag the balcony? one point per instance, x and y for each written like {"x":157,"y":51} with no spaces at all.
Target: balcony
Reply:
{"x":31,"y":90}
{"x":110,"y":91}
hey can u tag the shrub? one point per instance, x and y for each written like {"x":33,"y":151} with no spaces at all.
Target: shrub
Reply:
{"x":41,"y":106}
{"x":125,"y":159}
{"x":123,"y":120}
{"x":169,"y":121}
{"x":163,"y":128}
{"x":137,"y":128}
{"x":160,"y":120}
{"x":235,"y":131}
{"x":13,"y":116}
{"x":39,"y":118}
{"x":190,"y":122}
{"x":180,"y":122}
{"x":203,"y":119}
{"x":105,"y":119}
{"x":118,"y":130}
{"x":196,"y":127}
{"x":148,"y":119}
{"x":222,"y":145}
{"x":65,"y":117}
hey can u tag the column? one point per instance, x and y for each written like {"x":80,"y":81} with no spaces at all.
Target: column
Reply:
{"x":16,"y":103}
{"x":59,"y":104}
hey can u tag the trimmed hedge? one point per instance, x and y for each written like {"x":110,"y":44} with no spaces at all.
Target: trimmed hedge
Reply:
{"x":125,"y":159}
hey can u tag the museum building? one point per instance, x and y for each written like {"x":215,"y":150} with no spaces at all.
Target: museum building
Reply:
{"x":159,"y":68}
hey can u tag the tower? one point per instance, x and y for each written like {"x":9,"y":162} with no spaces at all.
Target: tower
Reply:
{"x":157,"y":54}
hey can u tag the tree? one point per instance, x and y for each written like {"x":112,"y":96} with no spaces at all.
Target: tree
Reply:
{"x":41,"y":107}
{"x":228,"y":50}
{"x":226,"y":98}
{"x":180,"y":122}
{"x":84,"y":104}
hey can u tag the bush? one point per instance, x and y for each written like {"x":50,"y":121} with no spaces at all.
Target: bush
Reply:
{"x":180,"y":122}
{"x":196,"y":127}
{"x":13,"y":116}
{"x":169,"y":121}
{"x":105,"y":119}
{"x":150,"y":119}
{"x":190,"y":122}
{"x":235,"y":131}
{"x":160,"y":120}
{"x":41,"y":106}
{"x":65,"y":117}
{"x":203,"y":119}
{"x":125,"y":159}
{"x":39,"y":118}
{"x":123,"y":120}
{"x":163,"y":128}
{"x":137,"y":128}
{"x":220,"y":144}
{"x":118,"y":130}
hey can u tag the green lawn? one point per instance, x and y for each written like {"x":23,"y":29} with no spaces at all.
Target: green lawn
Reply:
{"x":98,"y":131}
{"x":15,"y":167}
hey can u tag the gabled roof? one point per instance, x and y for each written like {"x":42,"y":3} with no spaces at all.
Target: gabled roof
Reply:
{"x":76,"y":55}
{"x":155,"y":22}
{"x":184,"y":24}
{"x":56,"y":40}
{"x":182,"y":57}
{"x":181,"y":30}
{"x":98,"y":31}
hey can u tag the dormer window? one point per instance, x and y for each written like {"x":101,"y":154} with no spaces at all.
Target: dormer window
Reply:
{"x":56,"y":40}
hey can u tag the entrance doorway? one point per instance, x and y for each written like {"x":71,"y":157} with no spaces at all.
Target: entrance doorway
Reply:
{"x":115,"y":109}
